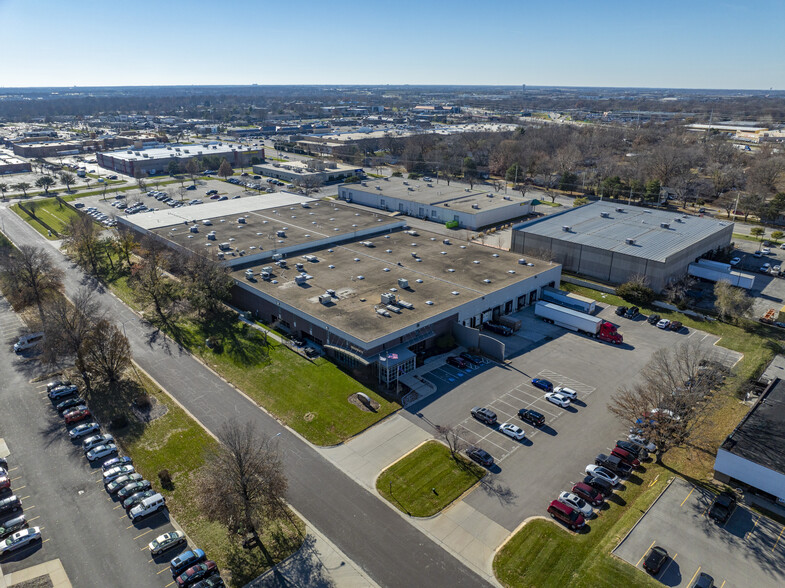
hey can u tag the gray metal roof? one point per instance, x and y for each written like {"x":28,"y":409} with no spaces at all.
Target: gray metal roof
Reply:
{"x":587,"y":226}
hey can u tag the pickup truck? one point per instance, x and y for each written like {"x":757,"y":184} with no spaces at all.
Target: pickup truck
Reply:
{"x":614,"y":464}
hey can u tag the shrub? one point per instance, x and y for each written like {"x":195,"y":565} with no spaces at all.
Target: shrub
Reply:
{"x":166,"y":480}
{"x":397,"y":174}
{"x":636,"y":292}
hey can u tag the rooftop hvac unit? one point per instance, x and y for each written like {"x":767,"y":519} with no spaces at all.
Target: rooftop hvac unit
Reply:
{"x":403,"y":283}
{"x":267,"y":269}
{"x":446,"y":242}
{"x":619,"y":210}
{"x":388,"y":298}
{"x":281,"y":233}
{"x":476,"y":206}
{"x":304,"y":205}
{"x":382,"y":312}
{"x":404,"y":304}
{"x":566,"y":228}
{"x":325,"y":299}
{"x":378,"y":187}
{"x":605,"y":214}
{"x":299,"y":266}
{"x":665,"y":225}
{"x":299,"y":279}
{"x":225,"y":246}
{"x":368,"y":243}
{"x":194,"y":229}
{"x":311,"y":258}
{"x":241,"y":220}
{"x":331,"y":292}
{"x":507,"y":197}
{"x":629,"y":241}
{"x":266,"y":275}
{"x":394,"y":309}
{"x":210,"y":236}
{"x":249,"y":274}
{"x":522,"y":261}
{"x":281,"y":263}
{"x":277,"y":256}
{"x":414,"y":254}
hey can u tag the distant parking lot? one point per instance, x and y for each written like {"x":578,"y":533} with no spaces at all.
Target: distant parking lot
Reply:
{"x":769,"y":290}
{"x":747,"y":551}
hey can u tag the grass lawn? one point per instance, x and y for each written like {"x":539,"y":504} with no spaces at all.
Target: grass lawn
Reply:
{"x":543,"y":553}
{"x":177,"y":443}
{"x":551,"y":204}
{"x":309,"y":396}
{"x":743,"y":237}
{"x":51,"y":211}
{"x":409,"y":483}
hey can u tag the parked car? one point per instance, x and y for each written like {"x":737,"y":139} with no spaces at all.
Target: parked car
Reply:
{"x":557,"y":399}
{"x":118,"y":471}
{"x":62,"y":391}
{"x":69,"y":403}
{"x":735,"y":261}
{"x":95,"y":441}
{"x":597,"y":471}
{"x":485,"y":415}
{"x":513,"y":431}
{"x":765,"y":268}
{"x":565,"y":391}
{"x":458,"y":362}
{"x":481,"y":456}
{"x":12,"y":526}
{"x":542,"y":384}
{"x":191,"y":187}
{"x":636,"y":437}
{"x":116,"y":461}
{"x":213,"y":581}
{"x":101,"y":451}
{"x":638,"y":451}
{"x":653,"y":319}
{"x":186,"y":560}
{"x":621,"y":310}
{"x":84,"y":429}
{"x":57,"y":384}
{"x":5,"y":482}
{"x":664,"y":324}
{"x":9,"y":504}
{"x":765,"y":250}
{"x":654,"y":560}
{"x":601,"y":485}
{"x":471,"y":358}
{"x":135,"y":499}
{"x":675,"y":326}
{"x":632,"y":312}
{"x":577,"y":503}
{"x":703,"y":580}
{"x":588,"y":493}
{"x":498,"y":328}
{"x":566,"y":514}
{"x":195,"y":573}
{"x":613,"y":464}
{"x":20,"y":539}
{"x":76,"y":415}
{"x":118,"y":484}
{"x":132,"y":488}
{"x":165,"y":542}
{"x":722,"y":507}
{"x":531,"y":416}
{"x":625,"y":456}
{"x":211,"y":192}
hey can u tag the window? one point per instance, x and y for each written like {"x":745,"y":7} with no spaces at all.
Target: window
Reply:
{"x":381,"y":202}
{"x":433,"y":213}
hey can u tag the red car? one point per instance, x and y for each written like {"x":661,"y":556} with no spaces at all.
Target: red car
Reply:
{"x":626,"y":456}
{"x":458,"y":362}
{"x":589,"y":494}
{"x":198,"y":572}
{"x":5,"y":482}
{"x":77,"y":415}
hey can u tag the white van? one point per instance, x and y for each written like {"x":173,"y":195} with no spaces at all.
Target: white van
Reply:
{"x":148,"y":506}
{"x":28,"y":341}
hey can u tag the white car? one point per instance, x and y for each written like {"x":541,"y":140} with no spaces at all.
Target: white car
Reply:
{"x":95,"y":441}
{"x":20,"y":539}
{"x":596,"y":471}
{"x":565,"y":391}
{"x":577,"y":503}
{"x":557,"y":399}
{"x":735,"y":261}
{"x":513,"y":431}
{"x":663,"y":324}
{"x":84,"y":429}
{"x":166,"y":541}
{"x":640,"y":440}
{"x":115,"y":473}
{"x":101,"y":451}
{"x":765,"y":250}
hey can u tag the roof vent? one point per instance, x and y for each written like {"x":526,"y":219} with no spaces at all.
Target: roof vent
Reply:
{"x":476,"y":206}
{"x":510,"y":271}
{"x":487,"y":281}
{"x":446,"y":241}
{"x":429,"y":302}
{"x":476,"y":261}
{"x":495,"y":255}
{"x":451,"y":270}
{"x":619,"y":210}
{"x":665,"y":225}
{"x":522,"y":261}
{"x":418,"y":280}
{"x":629,"y":241}
{"x":605,"y":214}
{"x":455,"y":292}
{"x":566,"y":228}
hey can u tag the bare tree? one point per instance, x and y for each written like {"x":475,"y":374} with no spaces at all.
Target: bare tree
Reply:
{"x":243,"y":485}
{"x":225,"y":169}
{"x":30,"y":277}
{"x":731,"y":302}
{"x":206,"y":284}
{"x":450,"y":436}
{"x":192,"y":168}
{"x":309,"y":183}
{"x":669,"y":400}
{"x":107,"y":353}
{"x":82,"y":240}
{"x":152,"y":286}
{"x":126,"y":243}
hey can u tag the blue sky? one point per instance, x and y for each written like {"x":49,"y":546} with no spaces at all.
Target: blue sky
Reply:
{"x":687,"y":44}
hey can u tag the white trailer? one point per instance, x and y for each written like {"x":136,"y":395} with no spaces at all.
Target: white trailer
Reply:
{"x":714,"y":274}
{"x":570,"y":300}
{"x":578,"y":321}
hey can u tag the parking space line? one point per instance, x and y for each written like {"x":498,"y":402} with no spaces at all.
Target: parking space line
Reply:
{"x":693,"y":576}
{"x":665,"y":569}
{"x":34,"y":518}
{"x":143,"y":534}
{"x":30,"y":507}
{"x":13,"y":468}
{"x":17,"y":478}
{"x":778,"y":539}
{"x":755,"y":524}
{"x":723,"y":583}
{"x":44,"y":541}
{"x":688,"y":495}
{"x":130,"y":526}
{"x":25,"y":498}
{"x":162,"y":571}
{"x":20,"y":488}
{"x":644,"y":553}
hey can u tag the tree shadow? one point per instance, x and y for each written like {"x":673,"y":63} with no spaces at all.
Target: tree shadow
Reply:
{"x":615,"y":499}
{"x":504,"y":494}
{"x":249,"y":567}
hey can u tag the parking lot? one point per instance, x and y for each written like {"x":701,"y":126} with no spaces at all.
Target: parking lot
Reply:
{"x":552,"y":458}
{"x":769,"y":289}
{"x":62,"y":493}
{"x":748,"y":550}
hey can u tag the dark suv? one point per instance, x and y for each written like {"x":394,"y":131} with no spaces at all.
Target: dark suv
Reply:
{"x":635,"y":449}
{"x":499,"y":329}
{"x":10,"y":504}
{"x":621,"y":310}
{"x":588,"y":493}
{"x":532,"y":417}
{"x":653,"y":562}
{"x":481,"y":456}
{"x":485,"y":415}
{"x":604,"y":487}
{"x":632,"y":312}
{"x":653,"y":319}
{"x":614,"y":464}
{"x":722,"y":507}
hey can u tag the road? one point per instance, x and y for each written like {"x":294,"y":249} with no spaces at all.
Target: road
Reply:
{"x":368,"y":531}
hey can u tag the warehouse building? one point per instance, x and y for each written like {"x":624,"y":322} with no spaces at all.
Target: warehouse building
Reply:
{"x":613,"y":243}
{"x":454,"y":205}
{"x":156,"y":160}
{"x":360,"y":285}
{"x":752,"y":455}
{"x":10,"y":164}
{"x":314,"y":171}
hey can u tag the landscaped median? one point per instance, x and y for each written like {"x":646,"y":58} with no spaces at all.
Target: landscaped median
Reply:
{"x":544,"y":553}
{"x":427,"y":480}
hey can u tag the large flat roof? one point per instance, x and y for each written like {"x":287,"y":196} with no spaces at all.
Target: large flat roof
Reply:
{"x":152,"y":153}
{"x":450,"y":276}
{"x":302,"y":167}
{"x":759,"y":436}
{"x":456,"y":196}
{"x":588,"y":226}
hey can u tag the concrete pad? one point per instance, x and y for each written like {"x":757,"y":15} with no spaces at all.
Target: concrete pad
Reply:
{"x":458,"y":539}
{"x":52,"y":568}
{"x":439,"y":527}
{"x":4,"y":449}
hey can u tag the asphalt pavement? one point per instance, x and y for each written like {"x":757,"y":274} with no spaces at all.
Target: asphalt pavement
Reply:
{"x":389,"y":549}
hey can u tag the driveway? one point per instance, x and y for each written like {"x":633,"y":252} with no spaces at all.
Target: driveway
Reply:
{"x":747,"y":551}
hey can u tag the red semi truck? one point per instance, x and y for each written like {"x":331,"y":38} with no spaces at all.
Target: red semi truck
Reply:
{"x":578,"y":321}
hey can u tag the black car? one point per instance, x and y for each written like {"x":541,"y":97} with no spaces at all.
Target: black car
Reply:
{"x":133,"y":488}
{"x":531,"y":416}
{"x":10,"y":504}
{"x":485,"y":415}
{"x":605,"y":488}
{"x":471,"y":358}
{"x":632,"y":312}
{"x":639,"y":452}
{"x":653,"y":319}
{"x":722,"y":507}
{"x":481,"y":456}
{"x":132,"y":501}
{"x":498,"y":328}
{"x":621,"y":310}
{"x":703,"y":580}
{"x":458,"y":362}
{"x":211,"y":582}
{"x":70,"y":403}
{"x":653,"y":562}
{"x":614,"y":464}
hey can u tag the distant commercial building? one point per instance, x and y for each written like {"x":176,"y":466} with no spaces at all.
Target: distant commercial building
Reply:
{"x":296,"y":171}
{"x":156,"y":160}
{"x":455,"y":204}
{"x":612,"y":243}
{"x":10,"y":164}
{"x":48,"y":148}
{"x":752,"y":456}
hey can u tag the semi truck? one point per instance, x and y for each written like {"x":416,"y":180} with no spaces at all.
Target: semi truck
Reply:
{"x":578,"y":321}
{"x":569,"y":299}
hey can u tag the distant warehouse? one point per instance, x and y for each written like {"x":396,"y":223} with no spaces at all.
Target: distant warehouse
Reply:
{"x":612,"y":243}
{"x":454,"y":205}
{"x":158,"y":159}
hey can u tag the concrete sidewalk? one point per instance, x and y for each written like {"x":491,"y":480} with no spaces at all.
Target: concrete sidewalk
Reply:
{"x":469,"y":535}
